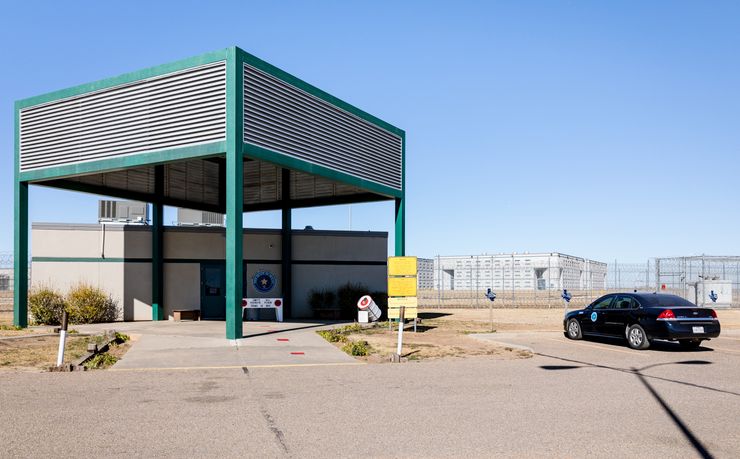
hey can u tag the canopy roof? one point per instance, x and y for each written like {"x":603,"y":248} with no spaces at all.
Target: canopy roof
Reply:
{"x":108,"y":137}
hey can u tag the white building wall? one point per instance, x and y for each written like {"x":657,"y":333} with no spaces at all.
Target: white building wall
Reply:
{"x":517,"y":272}
{"x":118,"y":260}
{"x":425,"y":273}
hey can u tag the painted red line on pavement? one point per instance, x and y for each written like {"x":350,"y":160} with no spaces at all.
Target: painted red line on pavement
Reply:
{"x":297,"y":353}
{"x":283,"y":339}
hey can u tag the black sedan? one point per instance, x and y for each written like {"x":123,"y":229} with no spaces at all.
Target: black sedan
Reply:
{"x":643,"y":317}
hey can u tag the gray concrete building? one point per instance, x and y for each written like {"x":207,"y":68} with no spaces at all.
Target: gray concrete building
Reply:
{"x":425,"y":273}
{"x":527,"y":271}
{"x":118,"y":259}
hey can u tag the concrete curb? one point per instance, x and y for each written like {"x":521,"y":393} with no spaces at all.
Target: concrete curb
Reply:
{"x":109,"y":337}
{"x":486,"y":337}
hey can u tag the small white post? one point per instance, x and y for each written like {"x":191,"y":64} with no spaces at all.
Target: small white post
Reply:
{"x":62,"y":339}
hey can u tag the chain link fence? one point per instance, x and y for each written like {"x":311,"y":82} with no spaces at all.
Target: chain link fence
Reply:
{"x":680,"y":275}
{"x":6,"y":285}
{"x":669,"y":275}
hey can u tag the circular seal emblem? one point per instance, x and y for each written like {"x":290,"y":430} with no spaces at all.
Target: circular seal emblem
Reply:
{"x":263,"y":281}
{"x":594,"y":316}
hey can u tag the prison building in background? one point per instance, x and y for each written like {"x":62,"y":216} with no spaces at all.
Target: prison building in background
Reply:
{"x":425,"y":273}
{"x":527,"y":271}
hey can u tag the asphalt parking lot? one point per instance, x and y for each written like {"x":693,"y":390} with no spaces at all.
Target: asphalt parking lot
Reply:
{"x":572,"y":399}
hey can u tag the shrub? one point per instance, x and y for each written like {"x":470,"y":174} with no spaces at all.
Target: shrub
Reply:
{"x":357,"y":348}
{"x":333,"y":336}
{"x":46,"y":305}
{"x":87,"y":304}
{"x":101,"y":361}
{"x":347,"y":297}
{"x":122,"y":337}
{"x":351,"y":328}
{"x":321,"y":299}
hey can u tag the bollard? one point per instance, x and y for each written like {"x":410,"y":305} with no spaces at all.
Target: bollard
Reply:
{"x":62,"y":339}
{"x":401,"y":322}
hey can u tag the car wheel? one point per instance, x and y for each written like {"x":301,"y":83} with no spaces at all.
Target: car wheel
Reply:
{"x":689,"y":343}
{"x":637,"y":338}
{"x":574,"y":329}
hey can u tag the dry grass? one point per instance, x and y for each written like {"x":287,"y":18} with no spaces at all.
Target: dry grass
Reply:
{"x":439,"y":336}
{"x":39,"y":353}
{"x":7,"y":330}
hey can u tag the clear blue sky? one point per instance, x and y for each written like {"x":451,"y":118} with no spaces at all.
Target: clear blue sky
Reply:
{"x":601,"y":129}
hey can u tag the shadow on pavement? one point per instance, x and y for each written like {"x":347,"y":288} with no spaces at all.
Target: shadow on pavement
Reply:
{"x":663,"y":346}
{"x":284,"y":330}
{"x":690,"y":436}
{"x":433,"y":315}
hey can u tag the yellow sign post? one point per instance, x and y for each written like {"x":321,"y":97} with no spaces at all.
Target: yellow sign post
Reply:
{"x":402,"y":274}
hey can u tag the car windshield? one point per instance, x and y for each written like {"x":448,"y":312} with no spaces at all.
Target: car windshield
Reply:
{"x":664,"y":300}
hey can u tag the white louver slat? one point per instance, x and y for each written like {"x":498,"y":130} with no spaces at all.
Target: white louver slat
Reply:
{"x":288,"y":120}
{"x":178,"y":109}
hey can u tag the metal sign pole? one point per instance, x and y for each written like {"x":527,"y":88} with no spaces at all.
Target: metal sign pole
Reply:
{"x":566,"y":299}
{"x":491,"y":296}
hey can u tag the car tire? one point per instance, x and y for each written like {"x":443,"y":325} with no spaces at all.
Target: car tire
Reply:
{"x":637,"y":338}
{"x":690,"y":343}
{"x":574,"y":330}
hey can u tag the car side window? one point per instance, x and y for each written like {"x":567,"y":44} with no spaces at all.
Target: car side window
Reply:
{"x":603,"y":303}
{"x":625,"y":302}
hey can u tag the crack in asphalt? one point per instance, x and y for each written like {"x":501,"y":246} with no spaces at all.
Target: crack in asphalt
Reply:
{"x":269,"y":420}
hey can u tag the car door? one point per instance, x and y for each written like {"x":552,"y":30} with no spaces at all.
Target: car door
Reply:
{"x":594,"y":315}
{"x":617,"y":316}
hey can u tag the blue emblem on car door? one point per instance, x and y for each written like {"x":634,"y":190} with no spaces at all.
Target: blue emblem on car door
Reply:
{"x":594,"y":316}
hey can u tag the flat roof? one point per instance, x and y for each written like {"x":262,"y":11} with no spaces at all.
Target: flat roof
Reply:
{"x":199,"y":229}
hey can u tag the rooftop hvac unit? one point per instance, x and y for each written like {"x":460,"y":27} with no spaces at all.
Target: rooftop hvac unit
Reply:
{"x":123,"y":212}
{"x":188,"y":217}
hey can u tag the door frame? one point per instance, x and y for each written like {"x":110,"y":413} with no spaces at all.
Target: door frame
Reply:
{"x":222,"y":267}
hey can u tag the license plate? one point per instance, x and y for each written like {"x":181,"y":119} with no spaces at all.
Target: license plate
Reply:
{"x":698,"y":329}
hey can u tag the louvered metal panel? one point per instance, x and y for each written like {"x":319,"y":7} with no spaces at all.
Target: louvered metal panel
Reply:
{"x":288,"y":120}
{"x":138,"y":180}
{"x":174,"y":110}
{"x":195,"y":180}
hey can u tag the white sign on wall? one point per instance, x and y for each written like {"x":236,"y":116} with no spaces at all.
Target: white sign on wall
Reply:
{"x":263,"y":303}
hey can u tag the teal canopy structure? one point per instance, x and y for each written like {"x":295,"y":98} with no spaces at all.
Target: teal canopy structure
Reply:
{"x":223,"y":132}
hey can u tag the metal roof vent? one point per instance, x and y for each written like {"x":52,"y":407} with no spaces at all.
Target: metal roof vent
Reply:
{"x":123,"y":212}
{"x":189,"y":217}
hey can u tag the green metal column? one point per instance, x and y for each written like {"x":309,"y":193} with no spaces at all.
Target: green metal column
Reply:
{"x":234,"y":194}
{"x":400,"y":233}
{"x":20,"y":255}
{"x":287,"y":246}
{"x":158,"y":247}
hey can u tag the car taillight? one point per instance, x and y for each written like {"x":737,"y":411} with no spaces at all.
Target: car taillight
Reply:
{"x":713,"y":313}
{"x":667,"y":314}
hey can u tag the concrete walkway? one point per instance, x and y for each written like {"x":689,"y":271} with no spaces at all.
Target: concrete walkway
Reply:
{"x":201,"y":344}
